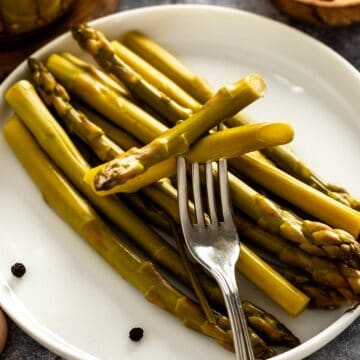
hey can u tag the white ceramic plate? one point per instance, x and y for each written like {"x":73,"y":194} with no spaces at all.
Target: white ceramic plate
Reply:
{"x":70,"y":300}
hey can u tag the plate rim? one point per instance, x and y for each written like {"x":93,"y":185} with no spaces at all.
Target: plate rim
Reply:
{"x":57,"y":345}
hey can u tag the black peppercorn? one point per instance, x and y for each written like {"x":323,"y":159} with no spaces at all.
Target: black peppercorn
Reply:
{"x":18,"y":270}
{"x":136,"y":334}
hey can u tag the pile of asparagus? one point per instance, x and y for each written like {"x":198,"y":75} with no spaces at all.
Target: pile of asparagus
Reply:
{"x":101,"y":145}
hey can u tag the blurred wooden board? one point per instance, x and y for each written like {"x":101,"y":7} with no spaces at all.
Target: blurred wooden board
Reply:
{"x":15,"y":51}
{"x":322,"y":12}
{"x":3,"y":331}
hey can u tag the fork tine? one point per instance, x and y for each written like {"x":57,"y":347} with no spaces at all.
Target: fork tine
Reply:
{"x":224,"y":192}
{"x":197,"y":195}
{"x":183,"y":193}
{"x":210,"y":192}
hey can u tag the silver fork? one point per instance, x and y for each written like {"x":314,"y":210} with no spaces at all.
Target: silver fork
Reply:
{"x":215,"y":245}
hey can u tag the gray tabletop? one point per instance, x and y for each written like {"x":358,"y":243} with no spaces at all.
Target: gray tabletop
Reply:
{"x":346,"y":41}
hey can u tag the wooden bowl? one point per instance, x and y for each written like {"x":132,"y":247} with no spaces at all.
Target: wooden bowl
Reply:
{"x":322,"y":12}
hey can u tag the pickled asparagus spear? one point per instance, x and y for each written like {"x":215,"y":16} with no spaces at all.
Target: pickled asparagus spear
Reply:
{"x":210,"y":148}
{"x":106,"y":79}
{"x":335,"y":275}
{"x":56,"y":96}
{"x":102,"y":98}
{"x":177,"y":140}
{"x":311,"y":236}
{"x":322,"y":297}
{"x":75,"y":210}
{"x":167,"y":64}
{"x":155,"y":77}
{"x":301,"y":195}
{"x":100,"y":48}
{"x":119,"y":136}
{"x":260,"y":321}
{"x":287,"y":160}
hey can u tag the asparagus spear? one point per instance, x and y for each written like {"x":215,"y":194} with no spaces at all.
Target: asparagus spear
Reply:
{"x":264,"y":323}
{"x":106,"y":79}
{"x":301,"y":195}
{"x":56,"y":96}
{"x":337,"y":276}
{"x":119,"y":136}
{"x":282,"y":156}
{"x":322,"y":297}
{"x":287,"y":160}
{"x":75,"y":210}
{"x":176,"y":141}
{"x":120,"y":110}
{"x":100,"y":48}
{"x":313,"y":237}
{"x":155,"y":77}
{"x":168,"y":65}
{"x":210,"y":148}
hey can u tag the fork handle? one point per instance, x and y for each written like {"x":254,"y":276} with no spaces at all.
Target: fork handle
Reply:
{"x":242,"y":343}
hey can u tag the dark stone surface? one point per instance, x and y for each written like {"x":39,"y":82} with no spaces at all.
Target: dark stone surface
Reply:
{"x":346,"y":41}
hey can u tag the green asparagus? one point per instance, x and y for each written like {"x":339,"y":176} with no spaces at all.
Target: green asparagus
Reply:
{"x":337,"y":276}
{"x":322,"y":297}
